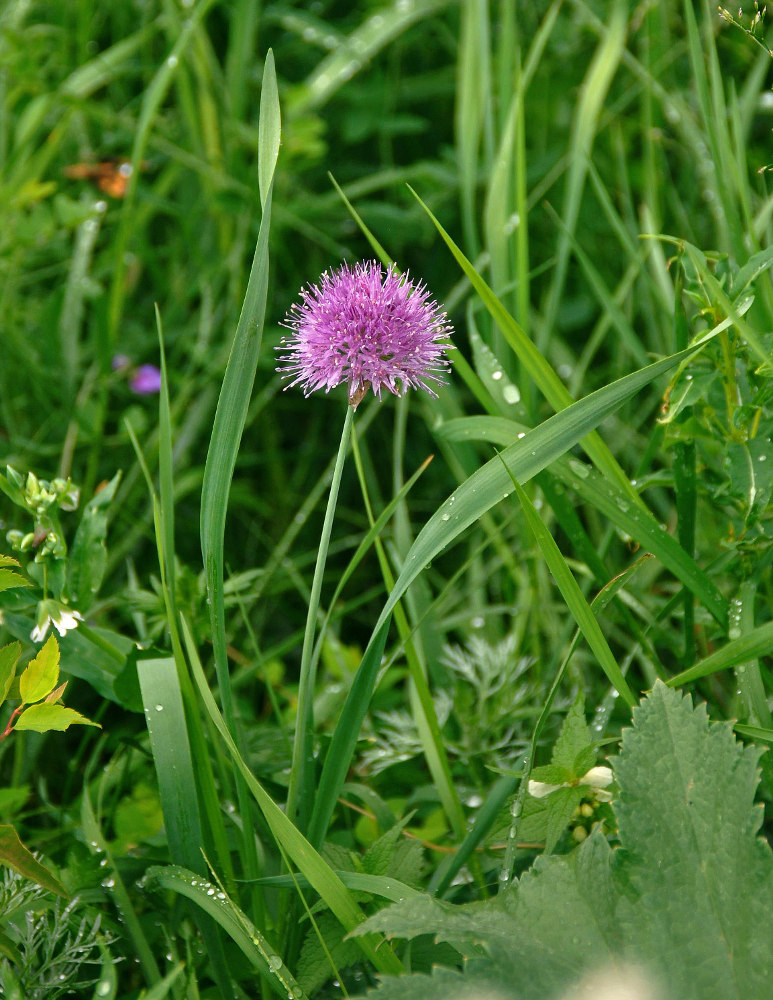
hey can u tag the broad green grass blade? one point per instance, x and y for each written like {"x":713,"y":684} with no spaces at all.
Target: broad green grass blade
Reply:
{"x":754,"y":732}
{"x":640,"y":524}
{"x":165,"y":716}
{"x":573,"y":597}
{"x":362,"y":44}
{"x":473,"y":107}
{"x":524,"y":459}
{"x":151,"y":102}
{"x":163,"y":522}
{"x":320,"y":875}
{"x":234,"y":398}
{"x":111,"y":62}
{"x":758,"y":642}
{"x":593,"y":91}
{"x":347,"y":731}
{"x":245,"y":935}
{"x":546,"y":380}
{"x":161,"y":990}
{"x":478,"y":494}
{"x":379,"y":885}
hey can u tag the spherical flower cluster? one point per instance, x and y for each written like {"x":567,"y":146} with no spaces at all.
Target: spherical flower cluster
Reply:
{"x":366,"y":327}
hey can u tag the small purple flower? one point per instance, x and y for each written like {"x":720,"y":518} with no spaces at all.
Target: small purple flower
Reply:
{"x":146,"y":380}
{"x":121,"y":362}
{"x":368,"y":328}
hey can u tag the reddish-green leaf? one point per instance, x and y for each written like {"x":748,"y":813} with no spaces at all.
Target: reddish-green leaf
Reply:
{"x":45,"y":717}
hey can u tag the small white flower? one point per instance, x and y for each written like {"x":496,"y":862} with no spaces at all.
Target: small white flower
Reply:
{"x":597,"y":779}
{"x":53,"y":613}
{"x":539,"y":789}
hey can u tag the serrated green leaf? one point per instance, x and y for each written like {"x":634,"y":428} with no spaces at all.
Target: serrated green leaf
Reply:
{"x":573,"y":737}
{"x":584,"y":761}
{"x":46,"y":717}
{"x":687,"y":898}
{"x":314,"y":968}
{"x":9,"y":579}
{"x":14,"y":854}
{"x":9,"y":561}
{"x":41,"y":673}
{"x":703,"y":877}
{"x":561,"y":805}
{"x":9,"y":657}
{"x":552,"y":774}
{"x":378,"y":857}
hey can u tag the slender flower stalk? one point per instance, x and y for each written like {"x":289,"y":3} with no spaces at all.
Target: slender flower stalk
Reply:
{"x":371,"y":329}
{"x":367,"y":327}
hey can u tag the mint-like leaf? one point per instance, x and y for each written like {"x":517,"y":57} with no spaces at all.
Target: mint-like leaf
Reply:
{"x":702,"y":877}
{"x":687,"y":898}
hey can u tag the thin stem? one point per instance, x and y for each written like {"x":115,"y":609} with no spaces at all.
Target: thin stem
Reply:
{"x":299,"y":805}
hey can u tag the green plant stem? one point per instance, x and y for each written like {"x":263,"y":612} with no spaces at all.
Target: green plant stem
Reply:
{"x":107,"y":647}
{"x":299,"y":795}
{"x":421,"y":697}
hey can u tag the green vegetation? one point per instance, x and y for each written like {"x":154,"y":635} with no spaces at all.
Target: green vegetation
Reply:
{"x":457,"y":697}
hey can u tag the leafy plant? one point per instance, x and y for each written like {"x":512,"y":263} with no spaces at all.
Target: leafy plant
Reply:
{"x":50,"y":949}
{"x":685,"y":896}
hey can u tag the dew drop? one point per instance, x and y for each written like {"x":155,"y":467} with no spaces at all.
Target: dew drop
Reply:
{"x":511,"y":394}
{"x":172,"y":62}
{"x":580,"y":468}
{"x":274,"y":963}
{"x":159,"y":708}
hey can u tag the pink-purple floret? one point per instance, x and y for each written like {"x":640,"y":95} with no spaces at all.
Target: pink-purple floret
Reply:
{"x":368,"y":328}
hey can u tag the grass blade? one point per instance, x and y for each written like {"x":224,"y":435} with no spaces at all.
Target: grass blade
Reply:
{"x":165,"y":716}
{"x":478,"y":494}
{"x":640,"y":524}
{"x":320,"y":875}
{"x":573,"y":597}
{"x":546,"y":380}
{"x":758,"y":642}
{"x":233,"y":921}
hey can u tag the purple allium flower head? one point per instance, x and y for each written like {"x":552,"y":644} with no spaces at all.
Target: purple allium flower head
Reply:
{"x":368,"y":328}
{"x":146,"y":380}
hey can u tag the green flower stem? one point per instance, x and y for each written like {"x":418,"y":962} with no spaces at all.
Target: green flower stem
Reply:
{"x":421,"y":697}
{"x":97,"y":640}
{"x":300,"y":792}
